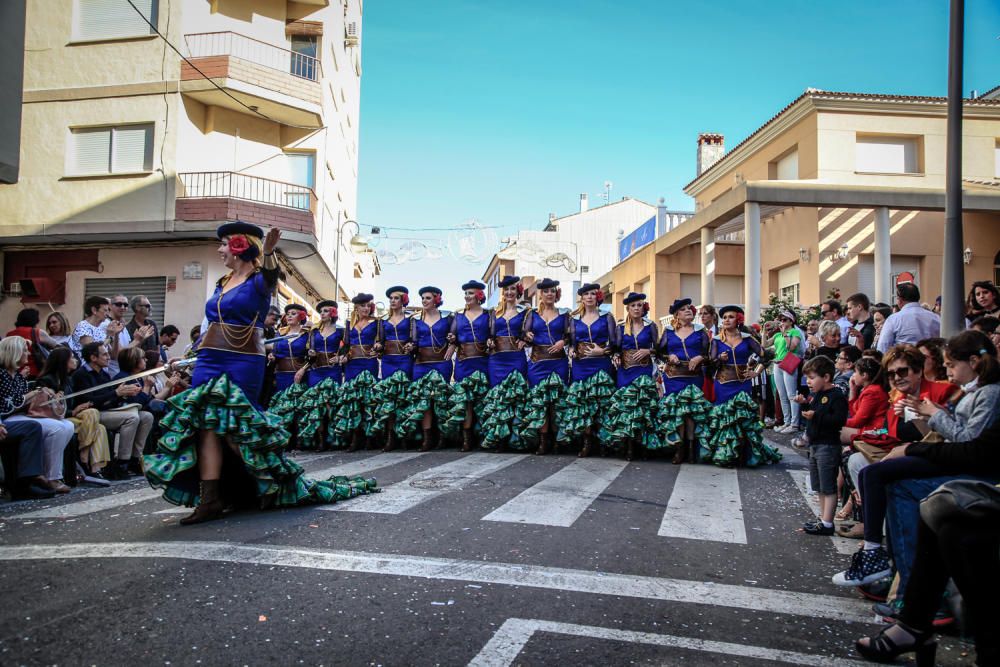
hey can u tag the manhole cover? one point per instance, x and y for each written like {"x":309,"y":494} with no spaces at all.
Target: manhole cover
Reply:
{"x":445,"y":482}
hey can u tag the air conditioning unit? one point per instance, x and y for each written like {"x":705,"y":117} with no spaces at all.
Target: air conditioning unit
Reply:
{"x":351,"y":36}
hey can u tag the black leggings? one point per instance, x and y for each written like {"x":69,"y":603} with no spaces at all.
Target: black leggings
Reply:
{"x":968,"y":552}
{"x":874,"y":481}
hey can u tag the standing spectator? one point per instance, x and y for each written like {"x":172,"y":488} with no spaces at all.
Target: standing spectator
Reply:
{"x":880,"y":313}
{"x":983,"y":299}
{"x":132,"y":426}
{"x":28,"y":481}
{"x":833,"y":311}
{"x":141,"y":308}
{"x":862,"y":332}
{"x":911,"y":324}
{"x":271,"y":322}
{"x":826,"y":415}
{"x":709,"y":319}
{"x":168,"y":336}
{"x":57,"y":327}
{"x":88,"y":330}
{"x":788,"y":339}
{"x":26,"y":326}
{"x":827,"y":342}
{"x":13,"y":397}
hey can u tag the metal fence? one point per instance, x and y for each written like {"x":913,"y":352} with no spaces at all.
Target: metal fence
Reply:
{"x":206,"y":44}
{"x":205,"y":184}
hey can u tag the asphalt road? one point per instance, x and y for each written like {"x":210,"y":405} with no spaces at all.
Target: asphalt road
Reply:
{"x":486,"y":559}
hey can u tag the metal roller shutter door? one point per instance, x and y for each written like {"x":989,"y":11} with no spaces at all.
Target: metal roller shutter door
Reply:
{"x":153,"y":288}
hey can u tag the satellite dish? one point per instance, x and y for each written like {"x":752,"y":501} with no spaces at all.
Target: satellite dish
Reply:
{"x":472,"y":243}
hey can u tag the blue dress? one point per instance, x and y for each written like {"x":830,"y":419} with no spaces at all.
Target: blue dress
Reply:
{"x":547,"y":334}
{"x":366,"y":337}
{"x":434,"y":336}
{"x":644,"y":340}
{"x":295,"y":349}
{"x":391,"y":363}
{"x":599,"y":332}
{"x":242,"y":305}
{"x":726,"y":356}
{"x":326,"y":345}
{"x":502,"y":364}
{"x":695,"y":344}
{"x":476,"y":331}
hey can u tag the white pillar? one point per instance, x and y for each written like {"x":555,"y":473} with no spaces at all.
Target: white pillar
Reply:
{"x":883,"y":257}
{"x":707,"y":266}
{"x":751,"y":260}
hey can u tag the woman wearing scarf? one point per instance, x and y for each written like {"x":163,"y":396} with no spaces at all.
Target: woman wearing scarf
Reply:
{"x":218,"y":419}
{"x":392,"y":391}
{"x":548,"y":369}
{"x":507,"y":369}
{"x":683,"y":348}
{"x":735,"y":426}
{"x":356,"y":407}
{"x":470,"y":329}
{"x":593,"y":338}
{"x":633,"y":418}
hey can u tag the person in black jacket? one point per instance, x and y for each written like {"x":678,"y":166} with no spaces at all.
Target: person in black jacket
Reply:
{"x":826,"y":415}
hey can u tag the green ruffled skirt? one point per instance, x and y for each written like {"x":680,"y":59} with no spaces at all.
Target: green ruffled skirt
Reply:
{"x":318,"y":405}
{"x":392,"y":398}
{"x":287,"y":407}
{"x":689,"y":402}
{"x":355,"y":408}
{"x":635,"y":413}
{"x":549,"y":393}
{"x":430,"y":392}
{"x":469,"y":391}
{"x":585,"y":404}
{"x":731,"y":424}
{"x":501,"y":415}
{"x":259,"y":439}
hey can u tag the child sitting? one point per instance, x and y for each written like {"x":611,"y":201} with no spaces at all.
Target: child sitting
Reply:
{"x":826,"y":415}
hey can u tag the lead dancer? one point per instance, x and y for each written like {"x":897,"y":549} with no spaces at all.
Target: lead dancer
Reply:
{"x":219,"y":419}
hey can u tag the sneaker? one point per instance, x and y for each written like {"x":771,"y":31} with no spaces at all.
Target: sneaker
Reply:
{"x":888,"y":611}
{"x":769,"y":422}
{"x":816,"y":527}
{"x":877,"y":591}
{"x":866,"y":566}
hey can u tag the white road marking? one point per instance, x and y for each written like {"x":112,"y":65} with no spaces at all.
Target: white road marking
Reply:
{"x":430,"y":483}
{"x":81,"y":507}
{"x":508,"y":642}
{"x":561,"y":498}
{"x":837,"y":608}
{"x":801,"y":479}
{"x":705,"y":505}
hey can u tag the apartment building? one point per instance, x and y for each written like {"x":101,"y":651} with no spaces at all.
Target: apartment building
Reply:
{"x":837,"y":190}
{"x":143,"y":128}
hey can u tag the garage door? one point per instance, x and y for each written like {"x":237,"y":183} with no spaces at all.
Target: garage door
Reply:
{"x":153,"y":288}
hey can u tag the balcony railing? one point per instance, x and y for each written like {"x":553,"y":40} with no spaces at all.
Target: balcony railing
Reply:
{"x":217,"y":184}
{"x":233,"y":44}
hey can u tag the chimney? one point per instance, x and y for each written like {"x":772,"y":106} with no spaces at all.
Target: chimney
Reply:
{"x":710,"y":148}
{"x":583,"y":202}
{"x":552,"y":216}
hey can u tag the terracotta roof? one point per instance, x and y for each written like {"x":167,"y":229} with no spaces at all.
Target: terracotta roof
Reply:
{"x":991,"y":91}
{"x":815,"y":93}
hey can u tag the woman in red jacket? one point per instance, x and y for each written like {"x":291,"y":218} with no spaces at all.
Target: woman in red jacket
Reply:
{"x":868,"y":400}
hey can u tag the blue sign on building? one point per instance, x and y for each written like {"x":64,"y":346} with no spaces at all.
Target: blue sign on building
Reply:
{"x":644,"y":234}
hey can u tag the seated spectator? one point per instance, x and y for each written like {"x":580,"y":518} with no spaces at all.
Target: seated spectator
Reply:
{"x":933,"y":351}
{"x":131,"y":361}
{"x":132,"y":426}
{"x":168,"y":336}
{"x":163,"y":387}
{"x":194,"y":335}
{"x":89,"y":329}
{"x":14,"y":399}
{"x":57,"y":327}
{"x":39,"y":342}
{"x":92,"y":437}
{"x":844,"y":364}
{"x":983,"y":299}
{"x":868,"y":400}
{"x":25,"y":465}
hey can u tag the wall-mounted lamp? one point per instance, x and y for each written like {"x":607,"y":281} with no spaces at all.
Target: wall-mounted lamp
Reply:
{"x":804,"y":255}
{"x":842,"y":253}
{"x":967,"y":256}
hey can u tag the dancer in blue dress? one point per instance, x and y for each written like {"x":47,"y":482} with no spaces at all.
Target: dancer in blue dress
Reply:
{"x":507,"y":370}
{"x":218,"y":449}
{"x":324,"y":376}
{"x":633,"y":417}
{"x":470,"y":331}
{"x":545,"y":330}
{"x":356,"y":407}
{"x":735,"y":426}
{"x":430,"y":393}
{"x":593,"y":338}
{"x":684,"y":349}
{"x":290,"y":365}
{"x":392,"y":390}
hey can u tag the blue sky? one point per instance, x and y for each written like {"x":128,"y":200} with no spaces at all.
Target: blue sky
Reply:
{"x":506,"y":110}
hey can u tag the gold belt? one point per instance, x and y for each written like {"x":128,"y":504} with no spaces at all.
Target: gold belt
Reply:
{"x":681,"y":370}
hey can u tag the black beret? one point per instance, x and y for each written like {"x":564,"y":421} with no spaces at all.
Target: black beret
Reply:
{"x":730,"y":309}
{"x":547,"y":283}
{"x":633,"y":297}
{"x":587,"y":287}
{"x":473,"y":284}
{"x":294,"y":306}
{"x":230,"y":228}
{"x":396,"y":288}
{"x":325,"y":303}
{"x":362,"y":298}
{"x":431,"y":289}
{"x":678,"y":304}
{"x":508,"y":281}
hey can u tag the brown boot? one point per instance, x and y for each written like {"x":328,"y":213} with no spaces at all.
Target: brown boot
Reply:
{"x":588,"y":444}
{"x":428,"y":440}
{"x":681,"y":454}
{"x":466,"y":439}
{"x":390,"y":441}
{"x":209,"y":504}
{"x":543,"y":445}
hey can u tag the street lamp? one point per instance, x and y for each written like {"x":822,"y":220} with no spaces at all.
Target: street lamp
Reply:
{"x":358,"y":243}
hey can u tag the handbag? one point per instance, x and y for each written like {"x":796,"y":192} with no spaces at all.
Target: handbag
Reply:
{"x":874,"y":446}
{"x":792,"y":361}
{"x":961,"y":499}
{"x":40,"y":406}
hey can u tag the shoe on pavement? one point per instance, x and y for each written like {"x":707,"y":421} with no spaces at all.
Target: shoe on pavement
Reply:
{"x":32,"y":491}
{"x":853,"y":532}
{"x":116,"y":471}
{"x":889,"y":611}
{"x":769,"y":422}
{"x":95,"y":479}
{"x":867,"y":565}
{"x":816,"y":527}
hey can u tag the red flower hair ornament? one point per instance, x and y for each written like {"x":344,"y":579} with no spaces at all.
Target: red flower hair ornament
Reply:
{"x":600,"y":296}
{"x":303,"y":315}
{"x":645,"y":308}
{"x":480,"y":296}
{"x":332,"y":313}
{"x":238,"y":244}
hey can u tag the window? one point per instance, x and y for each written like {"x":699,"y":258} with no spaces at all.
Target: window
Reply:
{"x":788,"y":283}
{"x":996,"y":160}
{"x":124,"y":149}
{"x":304,"y":52}
{"x":301,"y":171}
{"x":96,"y":20}
{"x":785,"y":168}
{"x":888,"y":154}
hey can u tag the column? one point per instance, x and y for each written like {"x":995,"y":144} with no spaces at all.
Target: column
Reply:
{"x":883,"y":257}
{"x":708,"y":265}
{"x":751,"y":260}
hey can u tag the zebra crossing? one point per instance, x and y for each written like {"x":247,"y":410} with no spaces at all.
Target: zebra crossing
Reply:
{"x":698,"y":502}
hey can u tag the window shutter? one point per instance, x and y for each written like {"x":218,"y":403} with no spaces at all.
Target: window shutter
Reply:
{"x":132,"y":149}
{"x":153,"y":288}
{"x":91,"y":151}
{"x":108,"y":19}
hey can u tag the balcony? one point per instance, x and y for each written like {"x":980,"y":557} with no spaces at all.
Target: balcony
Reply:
{"x":271,"y":80}
{"x":225,"y":195}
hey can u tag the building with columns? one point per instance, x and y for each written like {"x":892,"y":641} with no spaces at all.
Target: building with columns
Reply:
{"x":837,"y":190}
{"x":131,"y":155}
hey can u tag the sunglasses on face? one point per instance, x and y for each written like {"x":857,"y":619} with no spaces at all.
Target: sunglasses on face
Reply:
{"x":899,"y":373}
{"x":120,"y":304}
